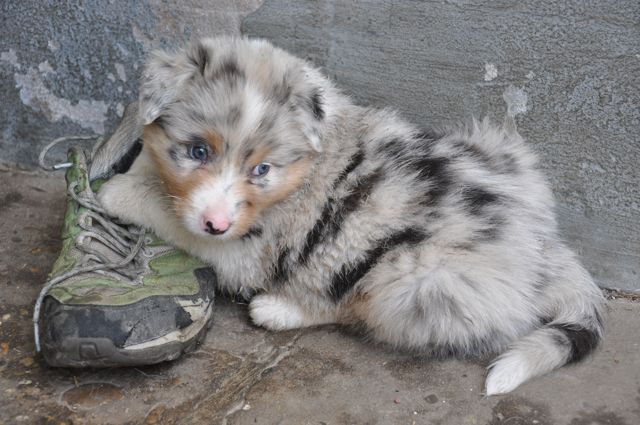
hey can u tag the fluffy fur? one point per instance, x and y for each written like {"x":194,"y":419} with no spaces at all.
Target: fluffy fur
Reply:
{"x":440,"y":242}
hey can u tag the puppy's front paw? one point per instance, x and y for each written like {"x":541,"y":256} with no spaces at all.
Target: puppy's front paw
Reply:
{"x":275,"y":313}
{"x":115,"y":197}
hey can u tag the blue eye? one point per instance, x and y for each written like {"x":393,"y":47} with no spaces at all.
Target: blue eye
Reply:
{"x":198,"y":152}
{"x":260,"y":170}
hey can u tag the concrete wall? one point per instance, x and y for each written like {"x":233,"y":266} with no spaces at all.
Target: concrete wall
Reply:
{"x":71,"y":67}
{"x":569,"y":69}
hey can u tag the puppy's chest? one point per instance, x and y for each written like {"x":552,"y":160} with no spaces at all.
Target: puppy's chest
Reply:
{"x":247,"y":263}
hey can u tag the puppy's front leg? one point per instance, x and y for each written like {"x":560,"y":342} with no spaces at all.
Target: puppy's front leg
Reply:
{"x":135,"y":197}
{"x":127,"y":196}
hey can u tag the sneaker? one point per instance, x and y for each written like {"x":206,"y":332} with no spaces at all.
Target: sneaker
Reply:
{"x":117,"y":295}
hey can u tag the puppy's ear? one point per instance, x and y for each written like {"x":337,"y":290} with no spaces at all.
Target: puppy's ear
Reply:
{"x":165,"y":74}
{"x":310,"y":99}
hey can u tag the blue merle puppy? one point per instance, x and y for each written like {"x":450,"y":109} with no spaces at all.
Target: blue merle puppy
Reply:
{"x":335,"y":213}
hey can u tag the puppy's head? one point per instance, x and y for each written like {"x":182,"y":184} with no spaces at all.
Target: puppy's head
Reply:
{"x":233,"y":126}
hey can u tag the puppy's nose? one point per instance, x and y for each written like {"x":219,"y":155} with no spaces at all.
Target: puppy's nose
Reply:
{"x":215,"y":222}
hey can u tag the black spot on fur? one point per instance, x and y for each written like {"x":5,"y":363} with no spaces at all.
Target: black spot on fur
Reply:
{"x":173,"y":154}
{"x":504,"y":163}
{"x":350,"y":274}
{"x":195,"y":139}
{"x":394,"y":148}
{"x":317,"y":233}
{"x":315,"y":102}
{"x":429,"y":134}
{"x":581,"y":341}
{"x":473,"y":152}
{"x":477,"y":198}
{"x":161,"y":120}
{"x":199,"y":57}
{"x":435,"y":171}
{"x":228,"y":70}
{"x":359,"y":193}
{"x":254,"y":232}
{"x":336,"y":211}
{"x":247,"y":154}
{"x":544,"y":321}
{"x":281,"y":271}
{"x":354,"y":162}
{"x":124,"y":163}
{"x":429,"y":167}
{"x":490,"y":230}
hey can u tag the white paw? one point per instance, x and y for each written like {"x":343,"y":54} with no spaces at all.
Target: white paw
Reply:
{"x":275,"y":313}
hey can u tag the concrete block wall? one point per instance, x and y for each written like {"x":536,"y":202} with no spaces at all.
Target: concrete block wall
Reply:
{"x":569,"y":71}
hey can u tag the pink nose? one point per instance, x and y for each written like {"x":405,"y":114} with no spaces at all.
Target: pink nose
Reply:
{"x":215,"y":222}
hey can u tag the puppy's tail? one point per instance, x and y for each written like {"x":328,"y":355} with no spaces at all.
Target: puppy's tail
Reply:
{"x":575,"y":330}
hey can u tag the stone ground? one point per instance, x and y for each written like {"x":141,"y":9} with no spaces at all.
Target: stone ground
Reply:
{"x":245,"y":375}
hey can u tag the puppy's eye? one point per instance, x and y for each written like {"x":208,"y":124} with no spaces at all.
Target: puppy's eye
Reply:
{"x":260,"y":170}
{"x":198,"y":152}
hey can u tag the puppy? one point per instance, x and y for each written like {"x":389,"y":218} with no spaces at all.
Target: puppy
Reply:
{"x":444,"y":243}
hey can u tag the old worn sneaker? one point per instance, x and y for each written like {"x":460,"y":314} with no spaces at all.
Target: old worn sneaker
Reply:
{"x":117,"y":295}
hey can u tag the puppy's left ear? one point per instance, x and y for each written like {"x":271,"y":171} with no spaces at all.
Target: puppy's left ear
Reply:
{"x":165,"y":75}
{"x":311,"y":106}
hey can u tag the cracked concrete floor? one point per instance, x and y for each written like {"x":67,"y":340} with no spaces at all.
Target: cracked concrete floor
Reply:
{"x":245,"y":375}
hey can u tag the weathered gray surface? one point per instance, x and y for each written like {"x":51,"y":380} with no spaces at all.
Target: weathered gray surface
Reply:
{"x":250,"y":376}
{"x":577,"y":62}
{"x":72,"y":67}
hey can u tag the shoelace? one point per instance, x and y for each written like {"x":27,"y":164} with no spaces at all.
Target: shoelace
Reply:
{"x":125,"y":242}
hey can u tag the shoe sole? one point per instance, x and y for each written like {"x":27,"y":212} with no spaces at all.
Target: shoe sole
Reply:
{"x":76,"y":352}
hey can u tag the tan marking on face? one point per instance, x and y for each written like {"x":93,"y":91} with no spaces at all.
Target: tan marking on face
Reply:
{"x":257,"y":200}
{"x":257,"y":156}
{"x":180,"y":183}
{"x":176,"y":183}
{"x":215,"y":142}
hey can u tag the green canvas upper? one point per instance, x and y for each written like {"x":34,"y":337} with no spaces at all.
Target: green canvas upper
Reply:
{"x":164,"y":269}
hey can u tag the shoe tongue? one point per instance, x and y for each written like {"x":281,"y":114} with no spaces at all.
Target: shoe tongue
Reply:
{"x":78,"y":171}
{"x":76,"y":174}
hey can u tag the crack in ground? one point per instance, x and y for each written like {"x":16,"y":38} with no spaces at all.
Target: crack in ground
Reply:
{"x":233,"y":391}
